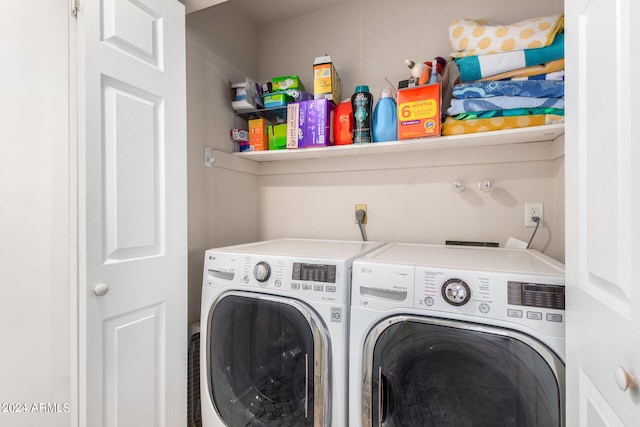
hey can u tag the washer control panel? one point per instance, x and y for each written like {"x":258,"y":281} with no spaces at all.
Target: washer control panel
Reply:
{"x":318,"y":281}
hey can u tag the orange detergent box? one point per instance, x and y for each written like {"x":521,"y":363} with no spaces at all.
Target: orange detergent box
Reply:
{"x":419,"y":111}
{"x":258,"y":135}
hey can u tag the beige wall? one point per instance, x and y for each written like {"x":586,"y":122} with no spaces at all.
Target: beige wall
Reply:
{"x":237,"y":200}
{"x":416,"y":203}
{"x":369,"y":40}
{"x":222,"y":203}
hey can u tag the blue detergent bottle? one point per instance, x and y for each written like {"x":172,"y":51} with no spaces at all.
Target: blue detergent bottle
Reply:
{"x":385,"y":118}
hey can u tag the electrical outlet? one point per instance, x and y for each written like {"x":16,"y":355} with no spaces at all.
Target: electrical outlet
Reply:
{"x":531,"y":210}
{"x":364,"y":208}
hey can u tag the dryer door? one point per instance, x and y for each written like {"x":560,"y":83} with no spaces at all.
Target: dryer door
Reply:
{"x":268,"y":361}
{"x":423,"y":372}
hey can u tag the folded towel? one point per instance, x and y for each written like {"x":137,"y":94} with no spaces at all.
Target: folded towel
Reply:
{"x":470,"y":37}
{"x":535,"y":70}
{"x":477,"y":67}
{"x":473,"y":115}
{"x":502,"y":103}
{"x":530,"y":88}
{"x":459,"y":127}
{"x":556,"y":75}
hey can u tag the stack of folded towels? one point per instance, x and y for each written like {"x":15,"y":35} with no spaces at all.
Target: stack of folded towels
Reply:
{"x":511,"y":76}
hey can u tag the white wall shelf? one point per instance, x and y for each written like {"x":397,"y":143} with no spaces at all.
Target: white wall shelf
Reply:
{"x":504,"y":137}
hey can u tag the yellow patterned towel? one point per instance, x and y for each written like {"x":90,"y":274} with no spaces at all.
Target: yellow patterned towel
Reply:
{"x":471,"y":37}
{"x":452,"y":126}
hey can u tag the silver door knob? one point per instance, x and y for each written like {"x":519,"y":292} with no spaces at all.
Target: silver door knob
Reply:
{"x":625,"y":380}
{"x":101,"y":289}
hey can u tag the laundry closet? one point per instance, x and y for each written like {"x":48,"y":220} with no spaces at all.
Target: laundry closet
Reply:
{"x":408,"y":191}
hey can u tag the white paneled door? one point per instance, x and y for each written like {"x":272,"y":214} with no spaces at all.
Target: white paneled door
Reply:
{"x":133,"y":191}
{"x":603,"y":212}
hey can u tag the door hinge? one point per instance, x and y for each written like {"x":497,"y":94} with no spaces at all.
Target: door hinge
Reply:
{"x":75,"y":7}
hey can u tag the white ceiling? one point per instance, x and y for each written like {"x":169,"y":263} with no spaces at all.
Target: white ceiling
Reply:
{"x":269,"y":10}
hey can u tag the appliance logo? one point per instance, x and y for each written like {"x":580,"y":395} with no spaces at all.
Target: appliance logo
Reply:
{"x":336,"y":314}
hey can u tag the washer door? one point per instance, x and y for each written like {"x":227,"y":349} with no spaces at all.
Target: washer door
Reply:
{"x":423,"y":372}
{"x":268,"y":362}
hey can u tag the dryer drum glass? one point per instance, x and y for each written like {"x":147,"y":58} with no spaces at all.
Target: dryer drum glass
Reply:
{"x":432,"y":375}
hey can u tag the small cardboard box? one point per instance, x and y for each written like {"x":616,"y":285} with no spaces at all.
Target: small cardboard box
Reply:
{"x":258,"y":134}
{"x":296,"y":113}
{"x":245,"y":96}
{"x":277,"y":136}
{"x":277,"y":99}
{"x":286,"y":83}
{"x":419,"y":111}
{"x":326,"y":82}
{"x":319,"y":123}
{"x":239,"y":135}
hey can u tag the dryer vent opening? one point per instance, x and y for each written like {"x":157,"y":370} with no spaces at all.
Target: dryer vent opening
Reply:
{"x":194,"y":413}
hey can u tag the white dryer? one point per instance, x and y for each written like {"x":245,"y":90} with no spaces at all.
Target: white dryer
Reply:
{"x":457,"y":336}
{"x":274,"y":325}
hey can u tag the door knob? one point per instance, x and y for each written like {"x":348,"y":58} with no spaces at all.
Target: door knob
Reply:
{"x":101,"y":289}
{"x":625,"y":380}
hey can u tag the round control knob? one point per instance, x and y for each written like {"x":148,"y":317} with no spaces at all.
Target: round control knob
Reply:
{"x":625,"y":380}
{"x":456,"y":292}
{"x":262,"y":271}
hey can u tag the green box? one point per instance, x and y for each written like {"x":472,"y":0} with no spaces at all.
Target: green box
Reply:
{"x":277,"y":99}
{"x":279,"y":84}
{"x":277,"y":136}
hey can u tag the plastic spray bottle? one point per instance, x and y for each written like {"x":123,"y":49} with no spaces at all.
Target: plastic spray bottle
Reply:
{"x":416,"y":69}
{"x":385,"y":118}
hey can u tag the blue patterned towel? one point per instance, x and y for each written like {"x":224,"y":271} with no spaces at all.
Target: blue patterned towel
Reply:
{"x":556,"y":75}
{"x":459,"y":106}
{"x":530,"y":88}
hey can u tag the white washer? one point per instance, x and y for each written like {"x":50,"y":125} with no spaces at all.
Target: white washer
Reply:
{"x":451,"y":335}
{"x":274,"y":326}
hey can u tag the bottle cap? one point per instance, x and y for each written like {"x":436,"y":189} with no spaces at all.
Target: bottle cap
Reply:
{"x":385,"y":93}
{"x":362,"y":88}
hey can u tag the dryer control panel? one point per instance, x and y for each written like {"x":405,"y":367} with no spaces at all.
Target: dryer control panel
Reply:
{"x":536,"y":302}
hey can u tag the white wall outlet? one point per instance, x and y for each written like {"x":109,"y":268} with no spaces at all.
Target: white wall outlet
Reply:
{"x":531,"y":210}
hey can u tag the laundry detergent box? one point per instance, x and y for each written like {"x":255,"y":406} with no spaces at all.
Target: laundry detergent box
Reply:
{"x":326,"y":81}
{"x":277,"y":136}
{"x":419,"y":111}
{"x":319,"y":123}
{"x":258,"y":134}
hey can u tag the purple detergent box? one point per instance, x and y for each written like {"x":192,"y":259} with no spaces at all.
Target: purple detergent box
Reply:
{"x":319,"y":123}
